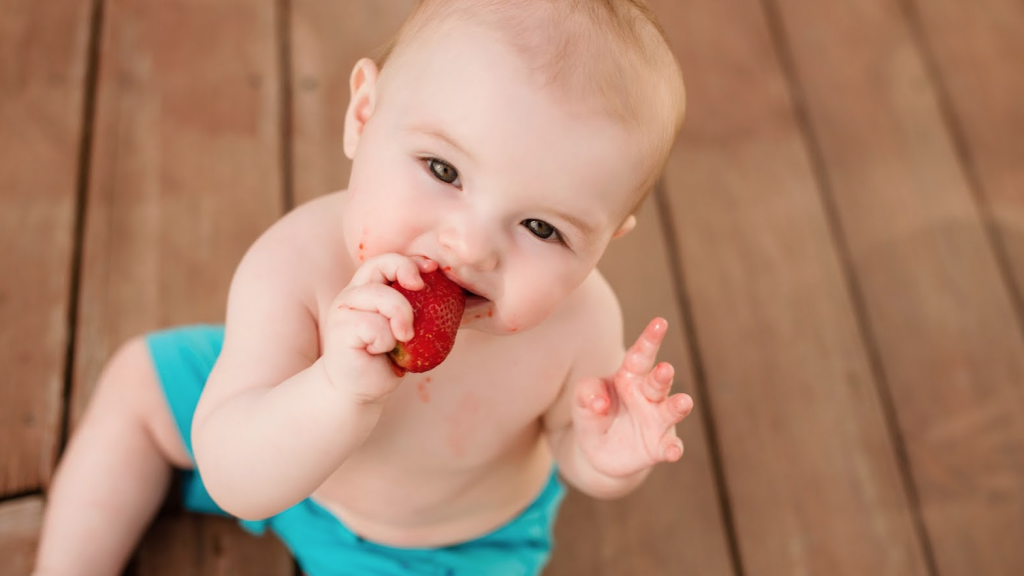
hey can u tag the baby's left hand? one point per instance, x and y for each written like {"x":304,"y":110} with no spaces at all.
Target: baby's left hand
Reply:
{"x":626,"y":423}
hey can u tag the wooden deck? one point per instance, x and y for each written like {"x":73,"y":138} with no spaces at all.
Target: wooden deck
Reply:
{"x":838,"y":243}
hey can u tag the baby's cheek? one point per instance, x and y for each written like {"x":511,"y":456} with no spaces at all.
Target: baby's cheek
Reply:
{"x":377,"y":234}
{"x":529,"y":306}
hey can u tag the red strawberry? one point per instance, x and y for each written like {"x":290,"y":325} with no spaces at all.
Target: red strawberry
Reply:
{"x":436,"y":315}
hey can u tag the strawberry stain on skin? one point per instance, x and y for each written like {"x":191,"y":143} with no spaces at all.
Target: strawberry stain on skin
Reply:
{"x":361,"y":254}
{"x":421,"y":388}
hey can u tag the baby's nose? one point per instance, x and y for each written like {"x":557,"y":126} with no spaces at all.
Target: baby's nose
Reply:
{"x":469,"y":243}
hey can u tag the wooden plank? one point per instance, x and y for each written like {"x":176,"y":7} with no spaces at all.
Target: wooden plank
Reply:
{"x":185,"y":174}
{"x":948,"y":340}
{"x":673,"y":523}
{"x":20,"y":521}
{"x":977,"y":51}
{"x":43,"y":62}
{"x":811,"y":471}
{"x":185,"y":544}
{"x":328,"y":38}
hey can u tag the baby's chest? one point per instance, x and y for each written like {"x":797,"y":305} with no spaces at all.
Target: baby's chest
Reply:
{"x":470,"y":412}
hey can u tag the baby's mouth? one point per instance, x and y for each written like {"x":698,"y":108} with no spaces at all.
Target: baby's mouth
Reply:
{"x":473,"y":299}
{"x":477,"y":307}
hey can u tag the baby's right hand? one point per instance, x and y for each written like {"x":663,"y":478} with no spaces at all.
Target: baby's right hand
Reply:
{"x":366,"y":321}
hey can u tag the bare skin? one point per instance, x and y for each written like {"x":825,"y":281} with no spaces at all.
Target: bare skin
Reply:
{"x":303,"y":402}
{"x":485,"y":422}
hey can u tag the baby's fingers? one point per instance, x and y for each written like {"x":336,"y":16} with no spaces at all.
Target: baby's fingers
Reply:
{"x":640,"y":357}
{"x":656,"y":386}
{"x":671,"y":447}
{"x":676,"y":407}
{"x":592,"y":407}
{"x":382,"y":300}
{"x":388,"y":268}
{"x":370,"y":332}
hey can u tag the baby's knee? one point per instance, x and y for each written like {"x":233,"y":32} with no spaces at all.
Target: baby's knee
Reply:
{"x":129,"y":390}
{"x":126,"y":375}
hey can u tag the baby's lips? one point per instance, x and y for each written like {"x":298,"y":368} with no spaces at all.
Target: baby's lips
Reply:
{"x":447,"y":270}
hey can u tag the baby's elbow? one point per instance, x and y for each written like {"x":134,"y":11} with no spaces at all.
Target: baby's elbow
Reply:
{"x":230,"y":492}
{"x":245,"y":509}
{"x":607,"y":491}
{"x":227,"y":486}
{"x":602,"y":487}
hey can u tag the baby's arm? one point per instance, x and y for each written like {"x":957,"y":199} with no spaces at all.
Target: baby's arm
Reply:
{"x":272,"y":423}
{"x":615,"y":418}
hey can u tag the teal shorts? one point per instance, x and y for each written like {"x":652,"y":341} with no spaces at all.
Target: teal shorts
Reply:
{"x":320,"y":543}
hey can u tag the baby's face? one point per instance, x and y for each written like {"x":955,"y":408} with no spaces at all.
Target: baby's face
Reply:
{"x":469,"y":160}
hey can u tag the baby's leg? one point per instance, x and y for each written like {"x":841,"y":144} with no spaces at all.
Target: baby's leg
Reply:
{"x":114,"y":473}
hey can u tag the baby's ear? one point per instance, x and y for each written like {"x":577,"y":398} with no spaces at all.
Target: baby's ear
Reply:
{"x":626,"y":227}
{"x":363,"y":85}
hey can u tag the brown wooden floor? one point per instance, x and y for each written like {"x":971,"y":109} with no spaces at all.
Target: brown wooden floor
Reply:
{"x":838,"y":243}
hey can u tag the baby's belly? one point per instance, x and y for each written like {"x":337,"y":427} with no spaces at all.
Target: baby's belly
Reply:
{"x":404,"y":503}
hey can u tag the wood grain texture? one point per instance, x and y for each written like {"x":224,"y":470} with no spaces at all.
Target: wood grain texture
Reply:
{"x":185,"y":167}
{"x":673,"y":523}
{"x":845,"y":206}
{"x":185,"y":175}
{"x":187,"y":544}
{"x":940,"y":312}
{"x":803,"y":435}
{"x":977,"y":53}
{"x":43,"y":63}
{"x":20,"y":521}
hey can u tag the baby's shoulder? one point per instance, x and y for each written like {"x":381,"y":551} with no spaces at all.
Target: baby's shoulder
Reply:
{"x":310,"y":231}
{"x":299,"y":252}
{"x":311,"y":223}
{"x":586,"y":333}
{"x":593,"y":301}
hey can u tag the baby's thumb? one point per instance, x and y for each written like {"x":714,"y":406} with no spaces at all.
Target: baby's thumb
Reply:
{"x":593,"y":405}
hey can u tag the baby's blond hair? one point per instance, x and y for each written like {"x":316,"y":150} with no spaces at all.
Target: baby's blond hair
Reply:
{"x":609,"y":52}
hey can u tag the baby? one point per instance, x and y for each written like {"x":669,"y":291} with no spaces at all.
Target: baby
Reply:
{"x":504,"y":142}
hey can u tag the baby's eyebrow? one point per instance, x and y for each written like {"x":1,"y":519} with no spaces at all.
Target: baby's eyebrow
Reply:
{"x":442,"y":136}
{"x":585,"y":228}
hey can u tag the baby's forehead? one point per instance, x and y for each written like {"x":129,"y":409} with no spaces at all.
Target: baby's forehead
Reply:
{"x":605,"y":53}
{"x":604,"y":56}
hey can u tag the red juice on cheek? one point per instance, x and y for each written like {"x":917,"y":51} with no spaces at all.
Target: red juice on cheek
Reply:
{"x":361,"y":253}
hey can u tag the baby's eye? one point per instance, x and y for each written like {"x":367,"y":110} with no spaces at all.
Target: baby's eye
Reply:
{"x":443,"y":171}
{"x":542,"y":230}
